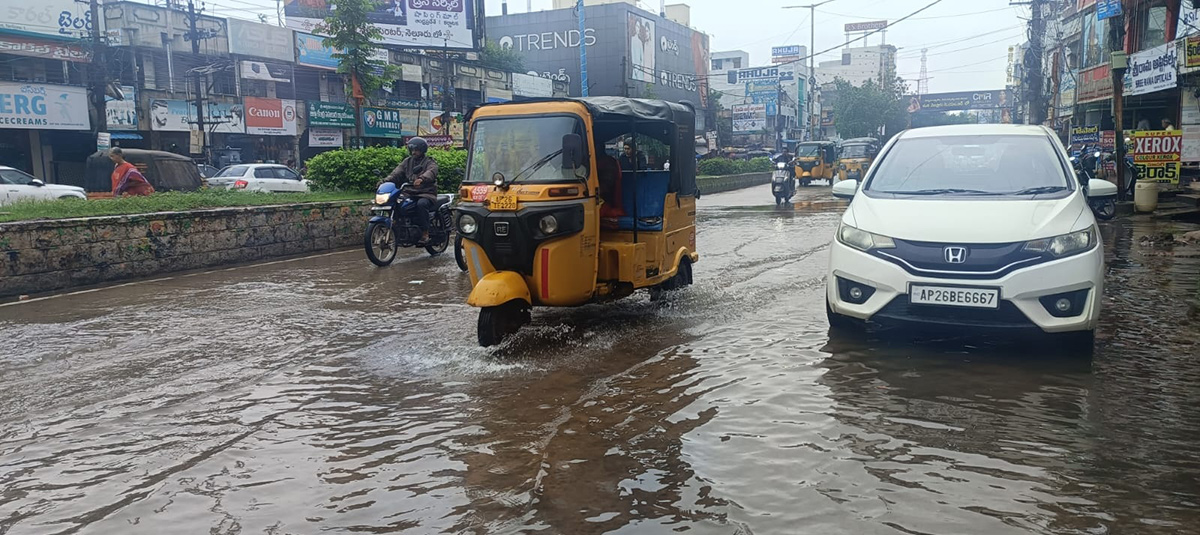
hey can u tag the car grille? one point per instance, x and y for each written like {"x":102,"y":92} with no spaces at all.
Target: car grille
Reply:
{"x":981,"y":262}
{"x":900,"y":310}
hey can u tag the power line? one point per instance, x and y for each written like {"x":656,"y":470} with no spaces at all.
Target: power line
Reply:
{"x":920,"y":18}
{"x":957,"y":50}
{"x":940,"y":44}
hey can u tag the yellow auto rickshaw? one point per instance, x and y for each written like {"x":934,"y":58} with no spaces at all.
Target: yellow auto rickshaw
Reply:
{"x":856,"y":157}
{"x":815,"y":161}
{"x":548,"y":218}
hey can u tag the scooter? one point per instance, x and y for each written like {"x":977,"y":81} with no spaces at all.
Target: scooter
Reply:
{"x":1086,"y":165}
{"x":783,"y":184}
{"x":391,"y":226}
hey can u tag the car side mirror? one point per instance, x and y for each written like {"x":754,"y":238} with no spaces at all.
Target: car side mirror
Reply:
{"x":1098,"y":188}
{"x":845,"y":189}
{"x":572,"y":151}
{"x":37,"y":182}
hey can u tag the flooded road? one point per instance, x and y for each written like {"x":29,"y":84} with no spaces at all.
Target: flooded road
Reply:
{"x":326,"y":395}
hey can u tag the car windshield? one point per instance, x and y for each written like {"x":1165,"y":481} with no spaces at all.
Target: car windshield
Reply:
{"x":14,"y":177}
{"x":525,"y":146}
{"x":856,"y":151}
{"x":807,"y":150}
{"x":233,"y":170}
{"x":994,"y":165}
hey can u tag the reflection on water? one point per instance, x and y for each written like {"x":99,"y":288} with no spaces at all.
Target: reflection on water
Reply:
{"x":332,"y":396}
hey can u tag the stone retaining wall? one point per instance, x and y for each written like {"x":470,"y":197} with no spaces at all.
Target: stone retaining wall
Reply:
{"x":41,"y":256}
{"x":717,"y":184}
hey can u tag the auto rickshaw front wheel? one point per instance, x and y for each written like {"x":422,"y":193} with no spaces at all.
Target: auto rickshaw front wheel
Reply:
{"x":498,"y":322}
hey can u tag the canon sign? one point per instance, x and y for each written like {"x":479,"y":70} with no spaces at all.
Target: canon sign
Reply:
{"x":264,"y":112}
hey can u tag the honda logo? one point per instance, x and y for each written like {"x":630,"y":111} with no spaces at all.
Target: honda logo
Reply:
{"x":956,"y":255}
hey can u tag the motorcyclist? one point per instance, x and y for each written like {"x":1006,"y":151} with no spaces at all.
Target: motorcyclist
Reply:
{"x":785,"y":158}
{"x":420,"y":172}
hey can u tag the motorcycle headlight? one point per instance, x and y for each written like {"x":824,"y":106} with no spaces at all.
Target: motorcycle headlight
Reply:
{"x":1065,"y":245}
{"x":780,"y":165}
{"x":382,"y":198}
{"x":548,"y":224}
{"x":863,"y":240}
{"x":467,"y":224}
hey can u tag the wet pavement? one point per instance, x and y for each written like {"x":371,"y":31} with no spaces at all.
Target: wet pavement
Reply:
{"x":326,"y":395}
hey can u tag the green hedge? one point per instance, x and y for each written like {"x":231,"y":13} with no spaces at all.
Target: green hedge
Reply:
{"x":723,"y":166}
{"x":363,"y":169}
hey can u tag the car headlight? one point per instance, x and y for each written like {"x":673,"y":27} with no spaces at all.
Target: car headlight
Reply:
{"x":382,"y":198}
{"x":863,"y":240}
{"x":467,"y":224}
{"x":780,"y":165}
{"x":548,"y":224}
{"x":1064,"y":245}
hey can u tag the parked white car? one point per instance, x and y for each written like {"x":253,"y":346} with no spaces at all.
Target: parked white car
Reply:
{"x":969,"y":226}
{"x":17,"y":185}
{"x":262,"y":177}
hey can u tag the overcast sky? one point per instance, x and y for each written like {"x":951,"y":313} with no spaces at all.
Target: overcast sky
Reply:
{"x":968,"y":40}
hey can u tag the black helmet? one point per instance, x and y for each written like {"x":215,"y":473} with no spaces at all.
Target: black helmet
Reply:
{"x":418,"y":143}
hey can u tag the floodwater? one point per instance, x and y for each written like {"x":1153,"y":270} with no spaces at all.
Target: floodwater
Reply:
{"x":326,"y":395}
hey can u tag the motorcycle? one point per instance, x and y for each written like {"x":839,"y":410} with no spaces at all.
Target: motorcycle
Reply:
{"x":1086,"y":165}
{"x":783,"y":185}
{"x":391,"y":226}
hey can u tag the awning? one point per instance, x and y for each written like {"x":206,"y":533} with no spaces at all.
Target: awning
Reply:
{"x":126,"y":136}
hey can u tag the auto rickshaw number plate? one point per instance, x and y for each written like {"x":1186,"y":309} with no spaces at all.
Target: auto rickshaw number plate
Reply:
{"x":502,"y":203}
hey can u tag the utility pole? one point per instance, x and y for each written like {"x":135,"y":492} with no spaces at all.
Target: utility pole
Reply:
{"x":1118,"y":64}
{"x":583,"y":75}
{"x":197,"y":84}
{"x":1037,"y":99}
{"x":812,"y":66}
{"x":99,"y":70}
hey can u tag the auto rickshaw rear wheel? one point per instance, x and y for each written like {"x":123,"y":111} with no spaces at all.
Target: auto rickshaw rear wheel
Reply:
{"x":498,"y":322}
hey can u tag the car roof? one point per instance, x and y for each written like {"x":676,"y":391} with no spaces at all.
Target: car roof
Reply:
{"x":976,"y":130}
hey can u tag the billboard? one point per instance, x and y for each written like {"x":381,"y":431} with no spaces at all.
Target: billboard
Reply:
{"x":260,"y":40}
{"x":266,"y":71}
{"x":753,"y":73}
{"x":270,"y":116}
{"x":180,"y":116}
{"x":866,"y":26}
{"x":122,"y":114}
{"x":407,"y":23}
{"x":43,"y":107}
{"x":641,"y":48}
{"x":962,"y":100}
{"x":43,"y":48}
{"x":59,"y":18}
{"x":787,"y":54}
{"x":749,"y":117}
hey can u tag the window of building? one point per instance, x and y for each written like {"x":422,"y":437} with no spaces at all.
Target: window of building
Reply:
{"x":737,"y":63}
{"x":254,"y":88}
{"x":846,"y":59}
{"x":1154,"y":27}
{"x":224,"y":82}
{"x":716,"y":64}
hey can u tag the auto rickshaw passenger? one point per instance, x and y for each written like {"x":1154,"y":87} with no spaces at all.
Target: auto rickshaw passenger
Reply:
{"x":609,"y":175}
{"x":628,"y":161}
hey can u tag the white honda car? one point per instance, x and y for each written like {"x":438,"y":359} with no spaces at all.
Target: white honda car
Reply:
{"x":969,"y":226}
{"x":17,"y":185}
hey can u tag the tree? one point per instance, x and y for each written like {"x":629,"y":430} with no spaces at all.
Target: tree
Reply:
{"x":938,"y":119}
{"x":353,"y":38}
{"x":494,"y":56}
{"x":870,"y":110}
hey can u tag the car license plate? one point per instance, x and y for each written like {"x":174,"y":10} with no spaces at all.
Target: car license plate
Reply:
{"x":502,"y":203}
{"x":955,"y":297}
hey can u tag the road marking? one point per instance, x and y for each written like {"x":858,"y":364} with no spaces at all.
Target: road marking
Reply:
{"x":173,"y":277}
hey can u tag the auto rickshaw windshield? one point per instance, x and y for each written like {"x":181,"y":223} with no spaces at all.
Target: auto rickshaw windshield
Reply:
{"x":806,"y":150}
{"x":527,"y":146}
{"x":857,"y":151}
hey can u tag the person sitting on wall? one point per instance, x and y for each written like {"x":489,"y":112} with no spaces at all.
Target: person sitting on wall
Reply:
{"x":126,"y":179}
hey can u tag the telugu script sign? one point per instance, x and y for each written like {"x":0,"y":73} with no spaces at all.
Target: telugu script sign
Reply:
{"x":1157,"y":154}
{"x":1151,"y":70}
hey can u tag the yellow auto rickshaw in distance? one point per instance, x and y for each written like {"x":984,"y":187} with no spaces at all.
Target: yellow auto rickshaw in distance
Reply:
{"x":548,"y":218}
{"x":815,"y":161}
{"x":856,"y":156}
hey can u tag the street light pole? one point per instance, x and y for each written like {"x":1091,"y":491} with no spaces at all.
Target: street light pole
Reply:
{"x":812,"y":65}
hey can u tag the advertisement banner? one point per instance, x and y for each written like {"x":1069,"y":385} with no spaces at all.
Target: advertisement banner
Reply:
{"x":270,"y":116}
{"x":325,"y":137}
{"x":1085,"y":134}
{"x":122,"y":114}
{"x":382,"y":122}
{"x":866,"y":26}
{"x":786,"y":54}
{"x":103,"y":141}
{"x":180,"y":116}
{"x":260,"y":40}
{"x":43,"y":107}
{"x":60,"y":18}
{"x":310,"y":51}
{"x":1192,"y":52}
{"x":330,"y":114}
{"x":962,"y":100}
{"x":1066,"y":92}
{"x":827,"y":118}
{"x":1151,"y":70}
{"x":42,"y":48}
{"x":266,"y":71}
{"x":755,"y":73}
{"x":749,"y":117}
{"x":641,"y":48}
{"x":524,"y":85}
{"x":1189,"y":20}
{"x":406,"y":23}
{"x":1157,"y":154}
{"x":1190,"y":152}
{"x":1107,"y":9}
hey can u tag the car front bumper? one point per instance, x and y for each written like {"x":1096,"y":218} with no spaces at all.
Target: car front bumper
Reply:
{"x":1020,"y":292}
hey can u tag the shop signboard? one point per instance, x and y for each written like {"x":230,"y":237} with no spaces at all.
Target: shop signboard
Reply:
{"x":330,"y":114}
{"x":266,"y":71}
{"x":405,"y":23}
{"x":1191,"y":56}
{"x":1151,"y":70}
{"x":260,"y":40}
{"x":122,"y":114}
{"x":1190,"y":151}
{"x":103,"y":141}
{"x":786,"y":54}
{"x":1081,"y":135}
{"x":59,"y":18}
{"x":755,"y":73}
{"x":749,"y":117}
{"x":43,"y":107}
{"x":270,"y":116}
{"x":1108,"y":143}
{"x":180,"y":116}
{"x":827,"y":118}
{"x":525,"y":85}
{"x":1106,"y":9}
{"x":311,"y":51}
{"x":325,"y":137}
{"x":866,"y":26}
{"x":382,"y":122}
{"x":33,"y":47}
{"x":1189,"y":20}
{"x":1094,"y":84}
{"x":1157,"y":154}
{"x":1066,"y":92}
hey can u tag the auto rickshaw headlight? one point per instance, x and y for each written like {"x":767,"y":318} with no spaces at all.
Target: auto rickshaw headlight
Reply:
{"x":548,"y":224}
{"x":467,"y":224}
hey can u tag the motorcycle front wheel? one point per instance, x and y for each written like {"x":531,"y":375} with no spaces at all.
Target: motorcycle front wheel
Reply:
{"x":380,"y":243}
{"x":1105,"y":209}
